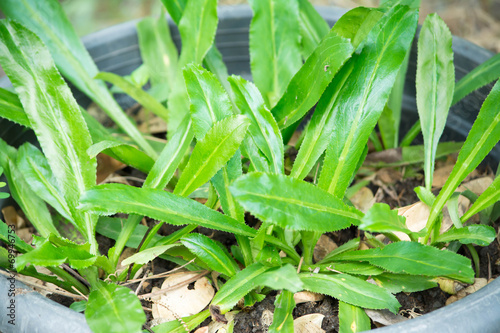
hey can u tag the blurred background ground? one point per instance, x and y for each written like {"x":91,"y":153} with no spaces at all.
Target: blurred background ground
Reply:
{"x":475,"y":20}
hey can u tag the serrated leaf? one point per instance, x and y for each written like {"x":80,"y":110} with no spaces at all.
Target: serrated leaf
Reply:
{"x":480,"y":76}
{"x":313,"y":27}
{"x":363,"y":98}
{"x":49,"y":22}
{"x":212,"y":152}
{"x":274,"y":46}
{"x":415,"y":259}
{"x":250,"y":278}
{"x":292,"y":203}
{"x":478,"y":234}
{"x":54,"y":116}
{"x":353,"y":268}
{"x":352,"y":319}
{"x":263,"y":128}
{"x":158,"y":204}
{"x":33,"y":207}
{"x":11,"y":108}
{"x":36,"y":171}
{"x":310,"y":81}
{"x":351,"y":290}
{"x":396,"y":283}
{"x":483,"y":136}
{"x":380,"y":218}
{"x":211,"y":253}
{"x":8,"y":235}
{"x":197,"y":28}
{"x":283,"y":313}
{"x":175,"y":326}
{"x":49,"y":255}
{"x":489,"y":197}
{"x":113,"y":308}
{"x":435,"y":83}
{"x":141,"y":96}
{"x":171,"y":156}
{"x":158,"y":52}
{"x":320,"y":127}
{"x":147,"y":255}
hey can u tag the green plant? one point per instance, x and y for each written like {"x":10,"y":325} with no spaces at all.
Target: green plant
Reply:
{"x":350,"y":72}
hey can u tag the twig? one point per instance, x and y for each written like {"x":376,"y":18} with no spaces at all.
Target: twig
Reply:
{"x":164,"y":290}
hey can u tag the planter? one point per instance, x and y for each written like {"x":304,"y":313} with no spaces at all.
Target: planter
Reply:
{"x":116,"y":50}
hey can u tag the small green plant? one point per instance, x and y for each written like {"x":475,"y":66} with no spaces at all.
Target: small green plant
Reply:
{"x":351,"y":73}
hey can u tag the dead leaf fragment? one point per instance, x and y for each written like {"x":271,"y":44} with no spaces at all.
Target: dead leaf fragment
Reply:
{"x":478,"y":284}
{"x":310,"y":323}
{"x":389,"y":175}
{"x":184,"y":300}
{"x":307,"y":296}
{"x":12,"y":217}
{"x":106,"y":165}
{"x":324,"y":246}
{"x":221,"y":327}
{"x":363,"y":199}
{"x":203,"y":329}
{"x":450,"y":286}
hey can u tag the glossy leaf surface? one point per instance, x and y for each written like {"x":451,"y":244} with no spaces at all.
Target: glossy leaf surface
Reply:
{"x":263,"y":128}
{"x":364,"y":96}
{"x":351,"y":290}
{"x":53,"y":114}
{"x":291,"y":203}
{"x":113,"y":309}
{"x":211,"y":253}
{"x":274,"y":46}
{"x":352,"y":319}
{"x":479,"y":234}
{"x":212,"y":152}
{"x":160,"y":205}
{"x":396,"y":283}
{"x":415,"y":259}
{"x":313,"y":27}
{"x":435,"y":84}
{"x":283,"y":313}
{"x":483,"y":136}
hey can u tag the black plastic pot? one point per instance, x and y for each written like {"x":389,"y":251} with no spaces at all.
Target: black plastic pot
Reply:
{"x":116,"y":50}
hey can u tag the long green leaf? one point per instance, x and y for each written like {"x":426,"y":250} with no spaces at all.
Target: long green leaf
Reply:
{"x":36,"y":170}
{"x":435,"y":84}
{"x":250,"y":278}
{"x":311,"y":80}
{"x":481,"y":235}
{"x":171,"y":156}
{"x":11,"y":108}
{"x":147,"y":255}
{"x":158,"y":204}
{"x":18,"y":244}
{"x":175,"y":8}
{"x":48,"y":21}
{"x":54,"y":115}
{"x":483,"y":74}
{"x":395,"y":283}
{"x":351,"y":290}
{"x":211,"y":253}
{"x":33,"y":207}
{"x":209,"y":102}
{"x":319,"y":130}
{"x":283,"y":313}
{"x":263,"y":128}
{"x":363,"y":98}
{"x":175,"y":326}
{"x":483,"y":136}
{"x":352,"y":319}
{"x":415,"y":259}
{"x":197,"y":28}
{"x":489,"y":197}
{"x":313,"y":27}
{"x":291,"y":203}
{"x":212,"y":152}
{"x":113,"y":309}
{"x":136,"y":93}
{"x":158,"y":53}
{"x":274,"y":46}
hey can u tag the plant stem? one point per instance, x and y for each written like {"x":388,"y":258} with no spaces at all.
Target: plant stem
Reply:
{"x":127,"y":231}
